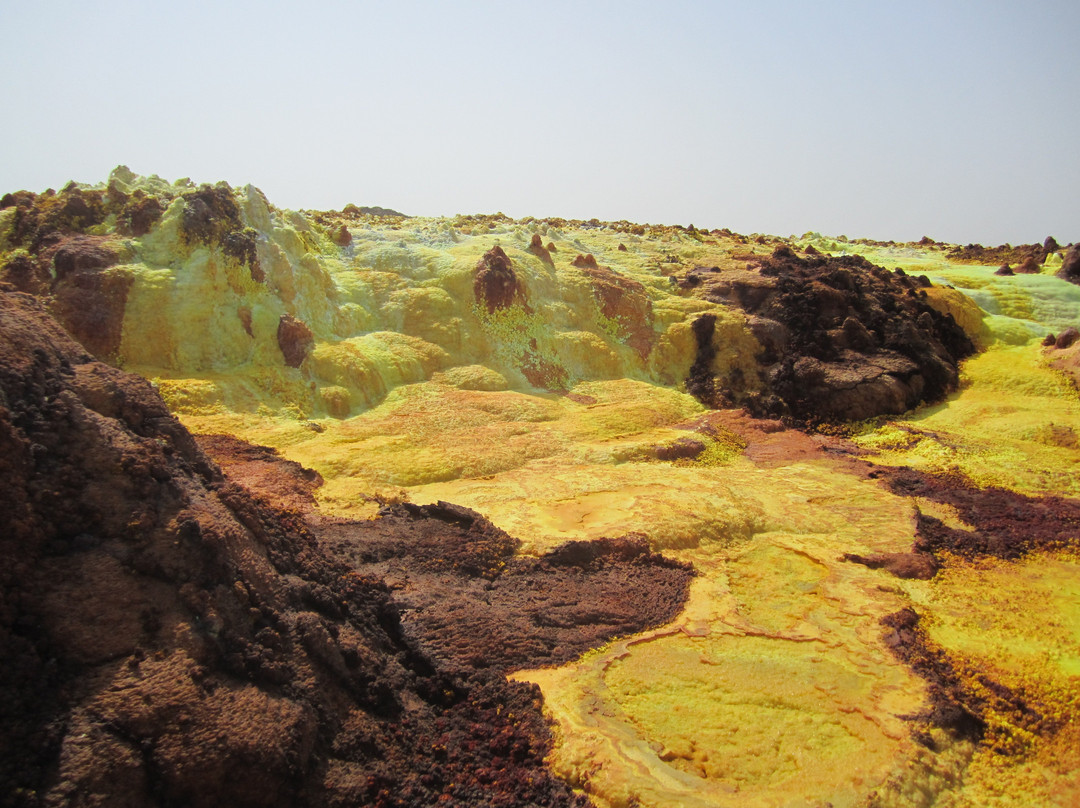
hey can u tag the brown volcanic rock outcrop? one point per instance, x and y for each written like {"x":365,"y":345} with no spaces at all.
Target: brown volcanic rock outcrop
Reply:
{"x":283,"y":484}
{"x":294,"y":339}
{"x":212,"y":217}
{"x":1070,"y":267}
{"x":25,"y":274}
{"x":78,"y":270}
{"x":1005,"y":253}
{"x":86,"y":291}
{"x":39,"y":216}
{"x":139,"y":214}
{"x":495,"y":284}
{"x":537,"y":248}
{"x":842,"y":339}
{"x":467,"y":599}
{"x":169,"y":640}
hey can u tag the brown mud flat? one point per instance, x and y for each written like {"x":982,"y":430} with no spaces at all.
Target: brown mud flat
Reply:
{"x":965,"y":702}
{"x":1003,"y":523}
{"x":467,"y":598}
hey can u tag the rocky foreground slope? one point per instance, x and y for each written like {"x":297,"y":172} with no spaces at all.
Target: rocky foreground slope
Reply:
{"x":169,"y":637}
{"x":844,"y":620}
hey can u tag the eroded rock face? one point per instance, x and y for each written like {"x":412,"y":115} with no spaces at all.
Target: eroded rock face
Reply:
{"x":842,"y":339}
{"x":25,"y":274}
{"x":168,"y":639}
{"x":495,"y":284}
{"x":625,"y":303}
{"x":89,"y":295}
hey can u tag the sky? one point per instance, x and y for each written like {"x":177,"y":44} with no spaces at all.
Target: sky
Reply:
{"x":871,"y":119}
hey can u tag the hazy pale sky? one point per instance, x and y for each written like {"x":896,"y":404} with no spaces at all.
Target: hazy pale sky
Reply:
{"x":889,"y":120}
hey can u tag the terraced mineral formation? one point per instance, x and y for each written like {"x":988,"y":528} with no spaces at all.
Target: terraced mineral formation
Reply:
{"x":532,"y":431}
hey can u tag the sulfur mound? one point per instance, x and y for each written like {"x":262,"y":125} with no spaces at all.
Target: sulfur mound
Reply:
{"x":168,"y":639}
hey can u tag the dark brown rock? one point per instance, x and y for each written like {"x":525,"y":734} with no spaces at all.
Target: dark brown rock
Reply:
{"x":541,"y":372}
{"x":583,"y":261}
{"x":701,"y":383}
{"x":283,"y":484}
{"x":965,"y":702}
{"x":1029,"y":266}
{"x":841,"y":340}
{"x":26,"y":274}
{"x":495,"y":284}
{"x":537,"y":248}
{"x":342,"y":237}
{"x":82,"y":254}
{"x":139,"y":214}
{"x":294,"y":339}
{"x":1003,"y":254}
{"x":919,"y":565}
{"x":467,"y":598}
{"x":1001,"y":523}
{"x":681,"y":449}
{"x":1066,"y":338}
{"x":210,"y":213}
{"x":40,"y":217}
{"x":1070,"y":267}
{"x":89,"y":293}
{"x":1004,"y":270}
{"x":16,"y":199}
